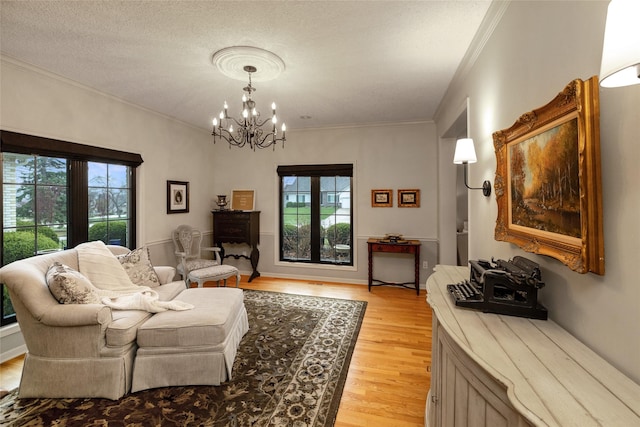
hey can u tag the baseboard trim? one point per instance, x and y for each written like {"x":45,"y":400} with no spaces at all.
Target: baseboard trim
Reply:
{"x":12,"y":353}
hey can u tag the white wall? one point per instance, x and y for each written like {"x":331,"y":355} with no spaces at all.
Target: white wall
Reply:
{"x":37,"y":103}
{"x":536,"y":49}
{"x":391,"y":156}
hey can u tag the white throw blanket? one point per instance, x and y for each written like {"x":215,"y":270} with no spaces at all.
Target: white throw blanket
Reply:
{"x":113,"y":285}
{"x":144,"y":300}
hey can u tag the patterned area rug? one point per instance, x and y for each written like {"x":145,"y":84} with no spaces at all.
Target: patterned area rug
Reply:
{"x":290,"y":371}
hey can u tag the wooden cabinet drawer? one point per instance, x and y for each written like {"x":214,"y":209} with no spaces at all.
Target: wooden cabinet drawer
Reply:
{"x":400,"y":249}
{"x":232,"y":230}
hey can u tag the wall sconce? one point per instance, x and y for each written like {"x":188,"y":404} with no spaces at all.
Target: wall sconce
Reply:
{"x":621,"y":50}
{"x":466,"y":153}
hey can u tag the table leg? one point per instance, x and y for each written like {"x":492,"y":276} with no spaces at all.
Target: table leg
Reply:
{"x":417,"y":271}
{"x":255,"y":257}
{"x":370,"y":267}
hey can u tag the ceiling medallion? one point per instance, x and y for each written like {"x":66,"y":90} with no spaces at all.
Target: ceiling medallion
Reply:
{"x":232,"y":60}
{"x":236,"y":62}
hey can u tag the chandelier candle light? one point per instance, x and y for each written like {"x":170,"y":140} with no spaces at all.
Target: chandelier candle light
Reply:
{"x":249,"y":129}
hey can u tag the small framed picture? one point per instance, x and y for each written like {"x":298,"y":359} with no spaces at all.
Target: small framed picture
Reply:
{"x":408,"y":198}
{"x":177,"y":197}
{"x":381,"y":198}
{"x":243,"y":200}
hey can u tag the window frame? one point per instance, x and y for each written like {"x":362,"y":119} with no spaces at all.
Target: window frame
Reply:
{"x":315,"y":172}
{"x":78,"y":156}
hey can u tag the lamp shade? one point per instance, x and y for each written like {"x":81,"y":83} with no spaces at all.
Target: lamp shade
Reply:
{"x":465,"y":151}
{"x":621,"y":50}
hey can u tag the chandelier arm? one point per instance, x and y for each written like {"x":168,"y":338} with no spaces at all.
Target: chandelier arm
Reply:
{"x":260,"y":124}
{"x":237,"y":123}
{"x":226,"y":135}
{"x":263,"y":143}
{"x":230,"y":138}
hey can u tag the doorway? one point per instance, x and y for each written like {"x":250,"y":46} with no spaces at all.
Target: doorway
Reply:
{"x":459,"y":129}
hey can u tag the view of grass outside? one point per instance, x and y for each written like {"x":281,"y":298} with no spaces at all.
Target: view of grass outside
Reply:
{"x":302,"y":215}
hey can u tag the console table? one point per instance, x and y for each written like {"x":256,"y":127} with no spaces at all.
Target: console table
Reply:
{"x":496,"y":370}
{"x":238,"y":227}
{"x":404,"y":247}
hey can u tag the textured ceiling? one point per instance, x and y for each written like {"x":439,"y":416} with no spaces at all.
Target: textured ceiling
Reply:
{"x":347,"y":62}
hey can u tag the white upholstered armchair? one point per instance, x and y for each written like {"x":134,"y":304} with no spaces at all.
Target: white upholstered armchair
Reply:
{"x":192,"y":266}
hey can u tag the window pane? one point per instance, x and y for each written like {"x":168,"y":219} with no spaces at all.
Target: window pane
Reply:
{"x":118,"y":203}
{"x":296,"y":218}
{"x":303,"y":184}
{"x":14,"y":208}
{"x":52,"y":204}
{"x":110,"y":232}
{"x":25,"y":204}
{"x":97,"y":174}
{"x":118,"y":233}
{"x":336,"y":219}
{"x":98,"y":203}
{"x":328,"y":184}
{"x":118,"y":176}
{"x":18,"y":168}
{"x":61,"y":231}
{"x":109,"y":210}
{"x":50,"y":170}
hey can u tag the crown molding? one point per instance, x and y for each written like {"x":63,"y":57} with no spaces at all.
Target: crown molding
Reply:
{"x":484,"y":33}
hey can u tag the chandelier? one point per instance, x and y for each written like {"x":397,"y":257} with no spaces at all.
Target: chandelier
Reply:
{"x":250,"y":129}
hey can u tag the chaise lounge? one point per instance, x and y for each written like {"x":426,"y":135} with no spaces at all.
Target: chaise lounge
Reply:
{"x":89,"y":348}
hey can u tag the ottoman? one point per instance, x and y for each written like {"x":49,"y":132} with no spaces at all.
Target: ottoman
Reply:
{"x":214,"y":274}
{"x":191,"y":347}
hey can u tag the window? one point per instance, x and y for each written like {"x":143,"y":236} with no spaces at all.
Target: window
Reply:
{"x":58,"y":194}
{"x":109,"y":196}
{"x":34,"y":204}
{"x":316,"y":214}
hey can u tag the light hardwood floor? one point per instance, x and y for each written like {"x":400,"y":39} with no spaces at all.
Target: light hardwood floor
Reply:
{"x":389,"y":374}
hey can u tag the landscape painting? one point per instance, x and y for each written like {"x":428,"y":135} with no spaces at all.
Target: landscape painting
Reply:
{"x":544,"y":181}
{"x":548,"y":180}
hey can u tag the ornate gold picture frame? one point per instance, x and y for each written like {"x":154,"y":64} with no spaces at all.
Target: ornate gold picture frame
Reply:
{"x":409,"y":198}
{"x":381,"y":198}
{"x":548,"y":179}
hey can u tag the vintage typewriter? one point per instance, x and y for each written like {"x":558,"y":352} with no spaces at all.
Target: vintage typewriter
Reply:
{"x":503,"y":287}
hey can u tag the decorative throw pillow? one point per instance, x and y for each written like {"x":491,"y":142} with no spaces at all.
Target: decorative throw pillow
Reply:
{"x":137,"y":264}
{"x":69,"y":286}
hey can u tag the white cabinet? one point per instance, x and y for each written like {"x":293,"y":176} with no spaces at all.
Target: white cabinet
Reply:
{"x":463,"y":394}
{"x":490,"y":370}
